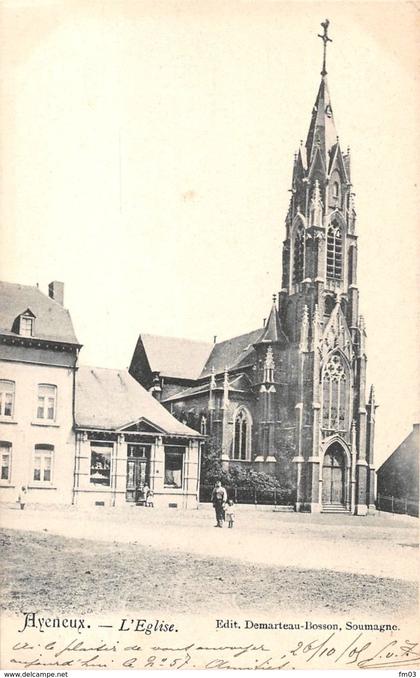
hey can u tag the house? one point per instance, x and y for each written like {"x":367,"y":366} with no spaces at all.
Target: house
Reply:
{"x":290,"y":398}
{"x":80,"y":435}
{"x":125,"y":440}
{"x":38,"y":359}
{"x":398,"y":477}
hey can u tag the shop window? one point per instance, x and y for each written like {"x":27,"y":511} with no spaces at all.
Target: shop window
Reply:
{"x":100,"y":464}
{"x":43,"y":463}
{"x":47,"y":401}
{"x":7,"y":397}
{"x":174,"y":462}
{"x":6,"y":460}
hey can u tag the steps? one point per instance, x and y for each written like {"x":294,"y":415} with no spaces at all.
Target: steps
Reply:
{"x":334,"y":508}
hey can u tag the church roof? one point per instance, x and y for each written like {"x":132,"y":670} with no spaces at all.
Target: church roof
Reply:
{"x":175,"y":357}
{"x":230,"y":353}
{"x":111,"y":399}
{"x":272,"y":332}
{"x":322,"y":133}
{"x":237,"y":383}
{"x":52,"y":320}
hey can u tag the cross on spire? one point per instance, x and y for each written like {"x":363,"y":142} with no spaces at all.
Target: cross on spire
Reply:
{"x":325,"y":39}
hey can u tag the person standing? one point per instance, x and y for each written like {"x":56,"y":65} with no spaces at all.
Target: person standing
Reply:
{"x":219,"y":498}
{"x":22,"y":498}
{"x":230,"y":513}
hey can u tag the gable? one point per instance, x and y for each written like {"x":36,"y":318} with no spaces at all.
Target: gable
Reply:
{"x":141,"y":426}
{"x":168,"y":356}
{"x":336,"y":335}
{"x":337,"y":164}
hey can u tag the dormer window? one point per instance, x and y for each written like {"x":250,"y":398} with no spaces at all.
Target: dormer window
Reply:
{"x":26,"y":326}
{"x":25,"y":323}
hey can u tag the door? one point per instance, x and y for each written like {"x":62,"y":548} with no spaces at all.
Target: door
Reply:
{"x":333,"y":476}
{"x":138,"y":470}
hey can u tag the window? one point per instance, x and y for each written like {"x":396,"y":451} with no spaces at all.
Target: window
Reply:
{"x":334,"y":252}
{"x":242,"y":436}
{"x":7,"y":397}
{"x":6,"y":460}
{"x":100,"y":464}
{"x":298,"y":255}
{"x":26,"y":326}
{"x":203,"y":426}
{"x":351,"y":268}
{"x":47,"y":398}
{"x":335,"y":389}
{"x":174,"y":461}
{"x":329,"y":304}
{"x":43,"y":461}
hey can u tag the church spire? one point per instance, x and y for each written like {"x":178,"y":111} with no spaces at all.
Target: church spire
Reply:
{"x":322,"y":134}
{"x":272,"y":332}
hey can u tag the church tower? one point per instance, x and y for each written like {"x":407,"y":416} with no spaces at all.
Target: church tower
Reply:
{"x":319,"y":312}
{"x":289,"y":399}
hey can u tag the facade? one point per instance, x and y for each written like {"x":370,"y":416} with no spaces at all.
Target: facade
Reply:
{"x":38,"y":358}
{"x":80,"y":435}
{"x":290,"y":398}
{"x":398,"y":476}
{"x":126,"y":440}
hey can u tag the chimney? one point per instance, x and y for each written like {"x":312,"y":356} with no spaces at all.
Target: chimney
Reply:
{"x":56,"y":291}
{"x":214,"y":338}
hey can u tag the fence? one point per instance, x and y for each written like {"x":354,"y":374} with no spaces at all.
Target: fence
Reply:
{"x":403,"y":505}
{"x":249,"y":495}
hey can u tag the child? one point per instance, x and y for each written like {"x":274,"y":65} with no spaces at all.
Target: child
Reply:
{"x":22,"y":498}
{"x":230,"y":513}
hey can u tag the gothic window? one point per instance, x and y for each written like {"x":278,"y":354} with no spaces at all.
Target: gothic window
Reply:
{"x":329,"y":304}
{"x":334,"y":252}
{"x":298,"y":255}
{"x":351,"y":266}
{"x":242,"y":436}
{"x":335,"y":390}
{"x":203,"y":425}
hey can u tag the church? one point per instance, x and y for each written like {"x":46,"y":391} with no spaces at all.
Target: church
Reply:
{"x":289,"y":398}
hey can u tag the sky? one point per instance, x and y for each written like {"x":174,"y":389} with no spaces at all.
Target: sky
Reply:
{"x":146,"y":158}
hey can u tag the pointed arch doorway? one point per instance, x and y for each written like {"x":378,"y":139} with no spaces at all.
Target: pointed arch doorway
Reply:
{"x":334,"y":477}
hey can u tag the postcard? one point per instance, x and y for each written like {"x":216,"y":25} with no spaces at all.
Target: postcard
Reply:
{"x":209,"y":336}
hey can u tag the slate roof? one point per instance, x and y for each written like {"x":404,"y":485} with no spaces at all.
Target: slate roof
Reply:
{"x":238,"y":383}
{"x":111,"y":399}
{"x":272,"y":332}
{"x":322,"y":125}
{"x":174,"y":357}
{"x":52,"y":321}
{"x":231,"y":353}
